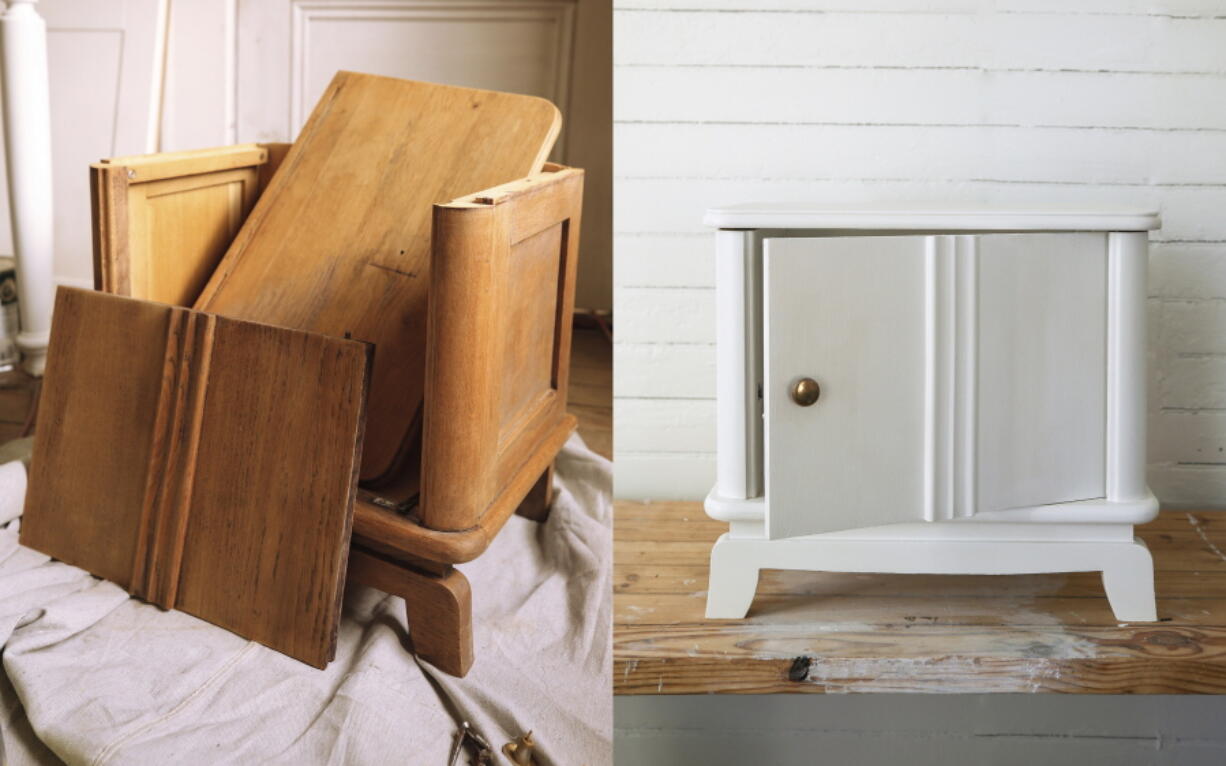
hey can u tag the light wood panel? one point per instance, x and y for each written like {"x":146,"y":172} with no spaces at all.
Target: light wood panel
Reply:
{"x":163,"y":221}
{"x":345,"y":225}
{"x":838,"y":632}
{"x":178,"y":455}
{"x":498,"y":365}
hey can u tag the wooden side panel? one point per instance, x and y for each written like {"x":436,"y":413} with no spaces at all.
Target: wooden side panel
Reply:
{"x":340,"y":242}
{"x":502,"y":296}
{"x":1041,"y":361}
{"x":180,"y":229}
{"x":163,"y":221}
{"x":848,"y":312}
{"x":98,"y":409}
{"x":175,"y":444}
{"x":268,"y":538}
{"x":179,"y":455}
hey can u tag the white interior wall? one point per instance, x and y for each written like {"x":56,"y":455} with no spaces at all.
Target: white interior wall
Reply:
{"x":1083,"y":102}
{"x":137,"y":76}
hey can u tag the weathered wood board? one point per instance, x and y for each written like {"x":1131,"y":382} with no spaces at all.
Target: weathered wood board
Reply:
{"x":339,"y":243}
{"x":203,"y":463}
{"x":840,"y":632}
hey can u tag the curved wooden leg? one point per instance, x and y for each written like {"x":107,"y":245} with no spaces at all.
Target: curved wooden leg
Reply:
{"x":734,"y":579}
{"x":438,"y":604}
{"x":538,"y":500}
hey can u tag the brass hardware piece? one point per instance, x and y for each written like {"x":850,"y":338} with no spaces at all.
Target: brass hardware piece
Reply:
{"x":805,"y":391}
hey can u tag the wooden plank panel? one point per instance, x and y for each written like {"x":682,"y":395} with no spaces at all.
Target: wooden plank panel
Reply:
{"x":1097,"y":103}
{"x":163,"y":221}
{"x":850,"y":314}
{"x":922,"y":38}
{"x":87,"y":485}
{"x":839,"y":632}
{"x":179,"y":453}
{"x":340,"y":241}
{"x":1041,"y":396}
{"x":888,"y":152}
{"x":665,"y":425}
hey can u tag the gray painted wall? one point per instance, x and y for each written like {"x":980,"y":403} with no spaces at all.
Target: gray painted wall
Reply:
{"x":920,"y":730}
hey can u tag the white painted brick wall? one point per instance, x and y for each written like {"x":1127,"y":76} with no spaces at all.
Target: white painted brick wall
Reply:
{"x":1085,"y":101}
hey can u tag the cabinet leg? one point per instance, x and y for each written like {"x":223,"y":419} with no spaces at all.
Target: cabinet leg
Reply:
{"x":733,"y":580}
{"x":536,"y":504}
{"x":1128,"y":579}
{"x":438,"y":604}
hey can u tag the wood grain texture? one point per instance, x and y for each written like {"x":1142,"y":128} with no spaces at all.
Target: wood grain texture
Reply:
{"x":179,"y":454}
{"x":497,"y":367}
{"x":839,"y":632}
{"x":163,"y":221}
{"x":438,"y":606}
{"x":340,"y":241}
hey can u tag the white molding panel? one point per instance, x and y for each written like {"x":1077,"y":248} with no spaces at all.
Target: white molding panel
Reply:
{"x":494,"y":44}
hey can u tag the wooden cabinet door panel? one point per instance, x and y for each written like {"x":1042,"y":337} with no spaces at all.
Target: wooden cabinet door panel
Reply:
{"x":1041,"y":361}
{"x":850,"y":313}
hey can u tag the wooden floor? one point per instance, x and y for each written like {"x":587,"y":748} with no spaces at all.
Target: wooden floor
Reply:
{"x":832,"y":632}
{"x":591,"y":389}
{"x":16,"y":397}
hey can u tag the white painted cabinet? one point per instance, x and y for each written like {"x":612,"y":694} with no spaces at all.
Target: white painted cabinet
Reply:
{"x":927,"y":390}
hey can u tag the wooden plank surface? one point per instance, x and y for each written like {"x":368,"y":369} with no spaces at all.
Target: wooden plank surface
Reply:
{"x":163,"y":221}
{"x":339,"y":243}
{"x":841,"y":632}
{"x":178,"y":456}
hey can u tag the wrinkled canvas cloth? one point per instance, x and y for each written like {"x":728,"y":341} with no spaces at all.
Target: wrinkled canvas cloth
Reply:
{"x":95,"y":677}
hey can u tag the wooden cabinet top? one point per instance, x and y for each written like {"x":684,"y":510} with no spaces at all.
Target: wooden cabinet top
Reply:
{"x":927,"y":217}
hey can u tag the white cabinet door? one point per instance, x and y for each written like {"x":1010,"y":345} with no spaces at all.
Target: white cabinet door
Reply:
{"x":851,"y":314}
{"x":958,"y":374}
{"x":1041,"y":366}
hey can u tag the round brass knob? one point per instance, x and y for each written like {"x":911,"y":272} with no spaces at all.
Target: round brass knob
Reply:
{"x":806,"y":391}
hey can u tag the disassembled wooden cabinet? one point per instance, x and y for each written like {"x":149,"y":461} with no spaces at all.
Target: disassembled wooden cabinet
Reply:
{"x":370,"y":211}
{"x":931,"y":391}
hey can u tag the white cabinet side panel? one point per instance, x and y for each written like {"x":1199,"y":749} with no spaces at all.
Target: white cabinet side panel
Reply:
{"x":1041,"y":360}
{"x":849,"y":313}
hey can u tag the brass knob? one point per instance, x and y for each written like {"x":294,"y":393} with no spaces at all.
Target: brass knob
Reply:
{"x":806,"y":391}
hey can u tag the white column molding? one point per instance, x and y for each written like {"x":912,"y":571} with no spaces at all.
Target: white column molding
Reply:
{"x":27,"y":146}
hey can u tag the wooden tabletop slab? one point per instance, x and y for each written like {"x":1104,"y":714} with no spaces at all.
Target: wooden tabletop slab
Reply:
{"x":838,"y":632}
{"x":339,"y":243}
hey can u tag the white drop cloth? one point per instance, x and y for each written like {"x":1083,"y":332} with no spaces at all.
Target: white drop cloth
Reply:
{"x":94,"y":677}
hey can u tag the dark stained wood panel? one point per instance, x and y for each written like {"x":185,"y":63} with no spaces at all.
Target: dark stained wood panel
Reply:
{"x":204,"y":463}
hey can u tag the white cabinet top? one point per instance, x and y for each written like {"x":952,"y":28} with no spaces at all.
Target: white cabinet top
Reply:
{"x":925,"y":217}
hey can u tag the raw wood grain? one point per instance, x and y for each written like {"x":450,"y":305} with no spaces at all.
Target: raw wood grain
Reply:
{"x":340,"y":241}
{"x":178,"y":455}
{"x":498,"y":363}
{"x":163,"y":221}
{"x":438,"y":606}
{"x":840,"y":632}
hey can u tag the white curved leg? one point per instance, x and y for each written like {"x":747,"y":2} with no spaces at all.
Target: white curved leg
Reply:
{"x":1128,"y":578}
{"x":27,"y":134}
{"x":734,"y":578}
